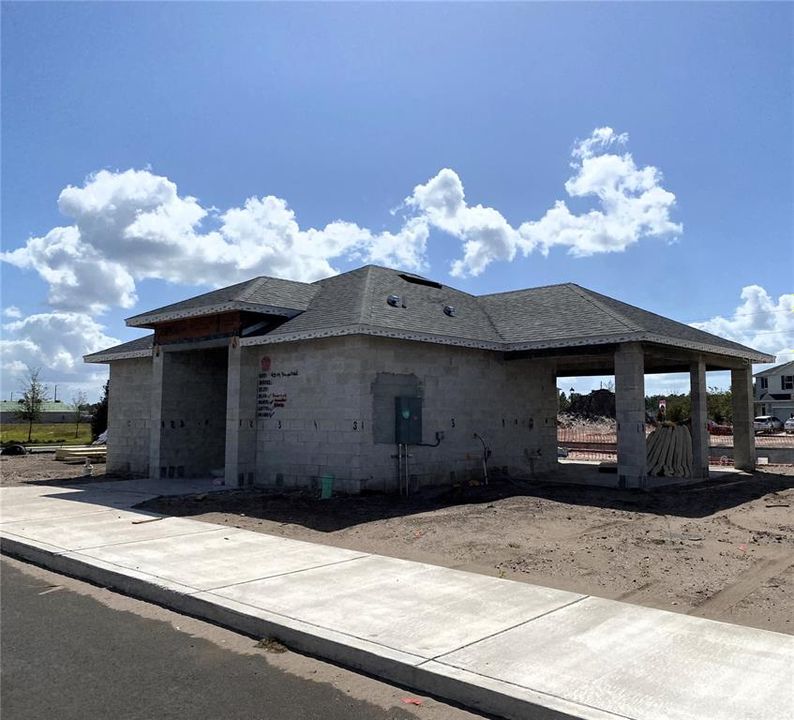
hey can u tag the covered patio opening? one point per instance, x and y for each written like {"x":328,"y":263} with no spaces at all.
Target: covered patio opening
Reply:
{"x":629,"y":362}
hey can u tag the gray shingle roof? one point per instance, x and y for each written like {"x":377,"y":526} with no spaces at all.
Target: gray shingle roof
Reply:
{"x":358,"y":298}
{"x":356,"y":303}
{"x":554,"y":312}
{"x":778,"y":369}
{"x":565,"y":312}
{"x":262,"y":294}
{"x":140,"y":347}
{"x":660,"y":325}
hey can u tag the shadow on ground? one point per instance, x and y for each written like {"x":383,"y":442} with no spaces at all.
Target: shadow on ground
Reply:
{"x":71,"y":481}
{"x":306,"y":509}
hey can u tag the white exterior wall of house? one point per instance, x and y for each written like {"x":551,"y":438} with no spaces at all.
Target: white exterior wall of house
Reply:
{"x":780,"y":382}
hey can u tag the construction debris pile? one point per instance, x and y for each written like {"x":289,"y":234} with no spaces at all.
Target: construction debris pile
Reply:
{"x":78,"y":454}
{"x":670,"y":451}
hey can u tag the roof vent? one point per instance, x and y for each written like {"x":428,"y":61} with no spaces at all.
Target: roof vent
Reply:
{"x":417,"y":280}
{"x":394,"y":300}
{"x":449,"y":310}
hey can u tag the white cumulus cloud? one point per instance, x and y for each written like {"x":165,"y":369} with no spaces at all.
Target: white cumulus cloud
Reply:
{"x":54,"y":342}
{"x":632,"y":205}
{"x":12,"y":311}
{"x":758,"y":321}
{"x":484,"y":232}
{"x":134,"y":225}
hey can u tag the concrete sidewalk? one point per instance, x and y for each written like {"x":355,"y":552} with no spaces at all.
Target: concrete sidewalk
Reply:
{"x":508,"y":648}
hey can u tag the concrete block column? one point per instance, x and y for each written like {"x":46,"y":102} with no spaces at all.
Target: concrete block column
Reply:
{"x":630,"y":412}
{"x":240,"y":457}
{"x":744,"y":455}
{"x":700,"y":432}
{"x":156,"y":416}
{"x":231,"y":463}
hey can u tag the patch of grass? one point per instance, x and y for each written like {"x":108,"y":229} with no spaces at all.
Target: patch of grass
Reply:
{"x":55,"y":433}
{"x":271,"y":645}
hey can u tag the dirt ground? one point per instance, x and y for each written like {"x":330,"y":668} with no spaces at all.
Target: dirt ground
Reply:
{"x":26,"y":469}
{"x":722,"y":549}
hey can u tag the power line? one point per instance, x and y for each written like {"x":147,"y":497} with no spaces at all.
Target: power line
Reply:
{"x":762,"y":312}
{"x":774,"y":332}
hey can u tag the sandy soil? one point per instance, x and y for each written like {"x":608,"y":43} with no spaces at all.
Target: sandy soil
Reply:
{"x":43,"y":468}
{"x":722,"y":550}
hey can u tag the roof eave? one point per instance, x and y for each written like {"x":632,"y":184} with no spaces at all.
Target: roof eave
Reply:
{"x":373,"y":331}
{"x":147,"y":320}
{"x":742,"y":352}
{"x":106,"y":357}
{"x":774,"y":370}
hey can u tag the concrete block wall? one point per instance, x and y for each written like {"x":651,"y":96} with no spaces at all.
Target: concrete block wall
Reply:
{"x":309,"y":417}
{"x":193,"y":416}
{"x":319,"y":418}
{"x":129,"y":413}
{"x":511,"y":404}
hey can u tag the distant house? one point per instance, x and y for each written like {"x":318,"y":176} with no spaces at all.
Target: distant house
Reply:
{"x":51,"y":412}
{"x":774,"y":391}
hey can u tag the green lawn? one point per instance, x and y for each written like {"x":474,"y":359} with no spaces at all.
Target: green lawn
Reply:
{"x":57,"y":433}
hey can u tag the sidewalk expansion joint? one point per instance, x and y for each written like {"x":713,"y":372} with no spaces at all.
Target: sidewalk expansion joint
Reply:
{"x":136,"y":542}
{"x":310,"y":624}
{"x":4,"y":523}
{"x":507,"y":629}
{"x":527,"y":688}
{"x":287,"y":572}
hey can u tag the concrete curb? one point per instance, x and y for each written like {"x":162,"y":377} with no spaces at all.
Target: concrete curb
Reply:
{"x":427,"y":676}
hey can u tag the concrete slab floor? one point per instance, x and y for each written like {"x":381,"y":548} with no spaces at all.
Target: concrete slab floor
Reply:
{"x":586,"y":472}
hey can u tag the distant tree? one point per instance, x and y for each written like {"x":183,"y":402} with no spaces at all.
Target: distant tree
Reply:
{"x":79,"y":403}
{"x":679,"y":408}
{"x":720,"y":408}
{"x":564,"y":403}
{"x":99,"y":419}
{"x":34,"y":395}
{"x":597,"y":403}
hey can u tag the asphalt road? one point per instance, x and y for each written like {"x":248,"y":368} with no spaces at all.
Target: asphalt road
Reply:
{"x":70,"y":650}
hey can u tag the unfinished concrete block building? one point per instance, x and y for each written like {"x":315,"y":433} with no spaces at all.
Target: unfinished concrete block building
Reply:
{"x":377,"y":378}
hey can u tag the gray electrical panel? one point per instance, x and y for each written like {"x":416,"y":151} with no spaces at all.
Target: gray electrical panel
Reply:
{"x":408,"y":420}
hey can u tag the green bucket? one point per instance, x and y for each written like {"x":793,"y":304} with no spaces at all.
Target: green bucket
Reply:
{"x":326,"y":487}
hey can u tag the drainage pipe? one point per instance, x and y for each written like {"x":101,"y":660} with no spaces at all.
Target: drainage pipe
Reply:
{"x":486,"y":453}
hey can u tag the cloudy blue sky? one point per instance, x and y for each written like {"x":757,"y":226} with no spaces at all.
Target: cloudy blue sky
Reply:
{"x":152,"y":151}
